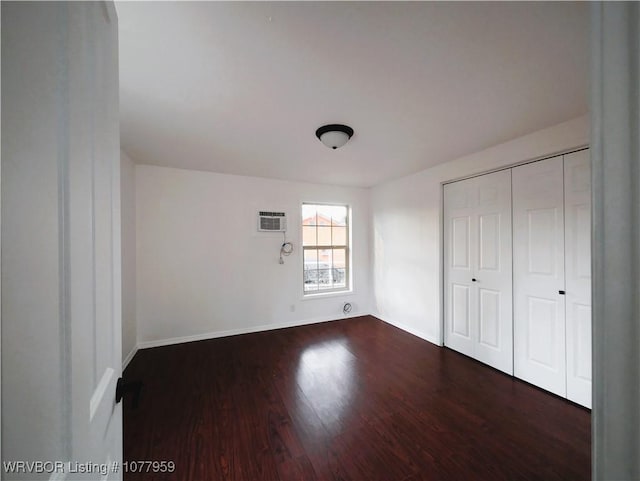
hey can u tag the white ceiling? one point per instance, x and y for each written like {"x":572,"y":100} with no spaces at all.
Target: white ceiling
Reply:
{"x":241,"y":87}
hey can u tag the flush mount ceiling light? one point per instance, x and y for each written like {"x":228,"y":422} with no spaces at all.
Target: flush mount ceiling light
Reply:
{"x":334,"y":135}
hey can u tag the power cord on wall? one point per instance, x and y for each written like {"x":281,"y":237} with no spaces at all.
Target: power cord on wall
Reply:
{"x":286,"y":249}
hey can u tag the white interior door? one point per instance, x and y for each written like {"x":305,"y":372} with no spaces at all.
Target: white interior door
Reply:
{"x":477,"y":250}
{"x":538,"y":267}
{"x":61,"y":238}
{"x":577,"y":201}
{"x":94,"y":235}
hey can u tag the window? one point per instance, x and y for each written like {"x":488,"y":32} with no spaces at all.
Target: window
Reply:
{"x":325,"y":245}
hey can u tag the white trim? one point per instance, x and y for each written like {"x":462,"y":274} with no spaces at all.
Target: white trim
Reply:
{"x":350,"y":288}
{"x":127,"y":359}
{"x":568,"y":150}
{"x":615,"y":163}
{"x":328,"y":294}
{"x":272,"y":327}
{"x":243,"y":330}
{"x":410,"y":330}
{"x":441,"y":298}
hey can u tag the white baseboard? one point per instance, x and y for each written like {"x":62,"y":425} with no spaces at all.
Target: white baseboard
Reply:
{"x":235,"y":332}
{"x":127,"y":359}
{"x":410,"y":330}
{"x":268,"y":327}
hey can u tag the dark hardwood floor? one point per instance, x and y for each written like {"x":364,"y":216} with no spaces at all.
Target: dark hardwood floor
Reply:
{"x":354,"y":399}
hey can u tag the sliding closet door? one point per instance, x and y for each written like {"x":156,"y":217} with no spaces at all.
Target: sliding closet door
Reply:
{"x":538,"y":266}
{"x":460,"y":200}
{"x":494,"y":341}
{"x":478,"y":287}
{"x":577,"y":174}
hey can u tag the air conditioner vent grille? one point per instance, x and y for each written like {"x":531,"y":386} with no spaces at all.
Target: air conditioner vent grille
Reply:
{"x":272,"y":221}
{"x":272,"y":214}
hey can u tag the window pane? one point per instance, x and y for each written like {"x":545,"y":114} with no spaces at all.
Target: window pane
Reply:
{"x":308,"y":214}
{"x":339,"y":236}
{"x":339,"y":216}
{"x":324,"y":219}
{"x":325,"y":212}
{"x":309,"y":235}
{"x":310,"y":259}
{"x":324,"y":236}
{"x":339,"y":277}
{"x":310,"y":269}
{"x":339,"y":258}
{"x":324,"y":279}
{"x":324,"y":258}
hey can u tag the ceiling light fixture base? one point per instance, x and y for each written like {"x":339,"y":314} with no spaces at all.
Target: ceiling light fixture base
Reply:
{"x":334,"y":135}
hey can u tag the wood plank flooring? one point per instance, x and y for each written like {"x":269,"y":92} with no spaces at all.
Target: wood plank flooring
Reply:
{"x":355,"y":399}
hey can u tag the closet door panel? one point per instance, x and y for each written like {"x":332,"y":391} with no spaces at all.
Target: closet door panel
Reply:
{"x":460,"y":311}
{"x":538,"y":256}
{"x":478,"y":287}
{"x":542,"y":317}
{"x":494,"y":341}
{"x":578,"y":276}
{"x":489,"y":318}
{"x":459,"y":201}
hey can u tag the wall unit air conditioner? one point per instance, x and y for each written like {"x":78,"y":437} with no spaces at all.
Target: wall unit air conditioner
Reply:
{"x":272,"y":221}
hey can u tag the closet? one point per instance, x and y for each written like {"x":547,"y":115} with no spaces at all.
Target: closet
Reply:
{"x":517,"y":283}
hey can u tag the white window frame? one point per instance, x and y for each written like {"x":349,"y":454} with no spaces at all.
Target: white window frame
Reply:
{"x":348,"y":277}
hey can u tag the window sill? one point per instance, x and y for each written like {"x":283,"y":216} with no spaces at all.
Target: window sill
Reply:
{"x":325,"y":295}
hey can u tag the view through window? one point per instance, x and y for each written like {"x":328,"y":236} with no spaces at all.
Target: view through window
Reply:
{"x":325,"y":242}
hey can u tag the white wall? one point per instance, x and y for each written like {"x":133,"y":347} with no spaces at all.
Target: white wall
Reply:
{"x":128,"y":226}
{"x":406,"y":223}
{"x":203,"y":270}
